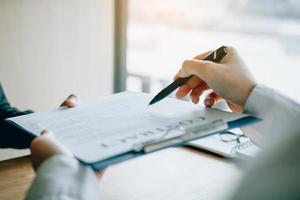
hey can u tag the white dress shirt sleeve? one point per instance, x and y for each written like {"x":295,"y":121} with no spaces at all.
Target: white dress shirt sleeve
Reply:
{"x":280,"y":115}
{"x":64,"y":178}
{"x":274,"y":173}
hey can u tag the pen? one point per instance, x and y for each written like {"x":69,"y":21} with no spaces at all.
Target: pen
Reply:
{"x":215,"y":56}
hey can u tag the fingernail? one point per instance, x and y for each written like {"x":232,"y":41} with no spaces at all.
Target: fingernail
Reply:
{"x":47,"y":133}
{"x":44,"y":132}
{"x":73,"y":96}
{"x":209,"y":102}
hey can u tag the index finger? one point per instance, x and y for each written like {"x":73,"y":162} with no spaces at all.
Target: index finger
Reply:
{"x":189,"y":86}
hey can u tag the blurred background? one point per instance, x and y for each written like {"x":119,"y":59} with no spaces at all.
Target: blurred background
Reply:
{"x":161,"y":34}
{"x":50,"y":49}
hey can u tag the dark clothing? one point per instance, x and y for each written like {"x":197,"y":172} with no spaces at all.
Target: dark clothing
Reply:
{"x":10,"y":137}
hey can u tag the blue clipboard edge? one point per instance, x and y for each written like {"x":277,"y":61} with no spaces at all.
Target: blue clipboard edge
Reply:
{"x":245,"y":121}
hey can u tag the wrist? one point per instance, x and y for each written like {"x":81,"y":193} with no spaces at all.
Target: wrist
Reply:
{"x":248,"y":92}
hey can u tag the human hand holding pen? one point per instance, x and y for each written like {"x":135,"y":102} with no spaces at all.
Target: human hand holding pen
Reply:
{"x":230,"y":80}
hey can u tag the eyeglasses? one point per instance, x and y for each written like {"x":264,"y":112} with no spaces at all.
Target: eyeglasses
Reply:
{"x":229,"y":136}
{"x":240,"y":140}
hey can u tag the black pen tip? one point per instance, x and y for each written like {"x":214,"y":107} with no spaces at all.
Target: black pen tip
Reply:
{"x":153,"y":101}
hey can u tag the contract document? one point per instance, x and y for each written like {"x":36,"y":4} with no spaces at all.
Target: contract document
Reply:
{"x":115,"y":124}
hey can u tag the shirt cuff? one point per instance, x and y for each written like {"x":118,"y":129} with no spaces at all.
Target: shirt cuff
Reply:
{"x":280,"y":115}
{"x":63,"y":177}
{"x":259,"y":100}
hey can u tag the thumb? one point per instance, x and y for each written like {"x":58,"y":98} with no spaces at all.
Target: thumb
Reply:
{"x":201,"y":68}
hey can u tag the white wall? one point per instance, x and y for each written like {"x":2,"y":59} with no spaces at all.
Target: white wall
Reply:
{"x":51,"y":48}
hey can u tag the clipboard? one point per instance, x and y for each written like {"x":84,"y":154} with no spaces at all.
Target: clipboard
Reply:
{"x":191,"y":133}
{"x":184,"y":134}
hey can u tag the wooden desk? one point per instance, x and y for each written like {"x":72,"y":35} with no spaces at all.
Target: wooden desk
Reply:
{"x":176,"y":173}
{"x":15,"y":178}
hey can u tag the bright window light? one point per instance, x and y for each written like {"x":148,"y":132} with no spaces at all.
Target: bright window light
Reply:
{"x":161,"y":34}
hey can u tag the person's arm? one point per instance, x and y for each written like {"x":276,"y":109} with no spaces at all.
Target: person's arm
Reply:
{"x":62,"y":177}
{"x":231,"y":80}
{"x":59,"y":175}
{"x":11,"y":137}
{"x":280,"y":115}
{"x":6,"y":110}
{"x":275,"y":172}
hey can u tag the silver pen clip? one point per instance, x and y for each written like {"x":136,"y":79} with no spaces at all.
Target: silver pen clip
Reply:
{"x":191,"y":132}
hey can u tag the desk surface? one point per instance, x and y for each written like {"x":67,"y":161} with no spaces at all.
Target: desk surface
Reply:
{"x":176,"y":173}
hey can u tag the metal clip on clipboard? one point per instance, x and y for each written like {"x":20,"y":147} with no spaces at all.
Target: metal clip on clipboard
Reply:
{"x":191,"y":132}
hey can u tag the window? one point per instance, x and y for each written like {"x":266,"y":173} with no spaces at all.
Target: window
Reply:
{"x":161,"y":34}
